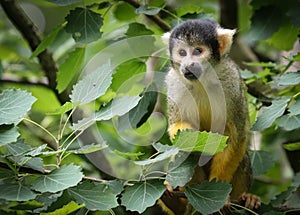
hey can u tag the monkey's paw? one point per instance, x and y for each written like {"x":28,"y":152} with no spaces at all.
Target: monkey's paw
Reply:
{"x":169,"y":188}
{"x":250,"y":201}
{"x":173,"y":129}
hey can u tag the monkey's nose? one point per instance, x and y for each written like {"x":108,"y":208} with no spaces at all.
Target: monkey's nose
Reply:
{"x":192,"y":71}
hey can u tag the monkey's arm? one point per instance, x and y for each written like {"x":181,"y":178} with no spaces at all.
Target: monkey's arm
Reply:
{"x":173,"y":128}
{"x":225,"y":163}
{"x":175,"y":119}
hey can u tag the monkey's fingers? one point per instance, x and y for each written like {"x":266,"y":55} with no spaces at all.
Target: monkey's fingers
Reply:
{"x":168,"y":187}
{"x":251,"y":201}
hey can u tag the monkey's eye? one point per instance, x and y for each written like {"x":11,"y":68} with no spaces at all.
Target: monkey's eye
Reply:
{"x":197,"y":51}
{"x":182,"y":52}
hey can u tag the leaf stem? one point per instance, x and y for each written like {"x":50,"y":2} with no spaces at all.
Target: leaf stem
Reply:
{"x":41,"y":127}
{"x":239,"y":206}
{"x":153,"y":172}
{"x":288,"y":66}
{"x":296,"y":95}
{"x":68,"y":118}
{"x":94,"y":179}
{"x":111,"y":212}
{"x":76,"y":131}
{"x":69,"y":144}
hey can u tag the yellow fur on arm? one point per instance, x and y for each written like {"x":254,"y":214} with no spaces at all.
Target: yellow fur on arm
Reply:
{"x":224,"y":164}
{"x":178,"y":126}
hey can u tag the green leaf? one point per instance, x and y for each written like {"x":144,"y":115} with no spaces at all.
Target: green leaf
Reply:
{"x":28,"y":205}
{"x":270,"y":114}
{"x":130,"y":155}
{"x":36,"y":151}
{"x":86,"y":149}
{"x":59,"y":179}
{"x":194,"y":141}
{"x":46,"y":99}
{"x":104,"y":5}
{"x":284,"y":196}
{"x":117,"y":107}
{"x":208,"y":197}
{"x":23,"y":155}
{"x":116,"y":186}
{"x":160,"y":157}
{"x":64,"y":2}
{"x":262,"y":64}
{"x":137,"y":29}
{"x":63,"y":109}
{"x":144,"y":9}
{"x":124,"y":11}
{"x":284,"y":38}
{"x":47,"y":199}
{"x":292,"y":146}
{"x":66,"y":209}
{"x":180,"y":172}
{"x":70,"y":68}
{"x":289,"y":79}
{"x":294,"y":109}
{"x":261,"y":162}
{"x":162,"y":147}
{"x":33,"y":163}
{"x":296,"y":57}
{"x":289,"y":122}
{"x":16,"y":192}
{"x":84,"y":25}
{"x":6,"y":175}
{"x":140,"y":113}
{"x":19,"y":148}
{"x":14,"y":104}
{"x":92,"y":85}
{"x":94,"y":196}
{"x":127,"y":70}
{"x":188,"y":9}
{"x":262,"y":26}
{"x":8,"y":134}
{"x":142,"y":195}
{"x":46,"y":42}
{"x":247,"y":74}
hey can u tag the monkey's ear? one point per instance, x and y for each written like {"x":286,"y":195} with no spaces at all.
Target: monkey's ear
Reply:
{"x":165,"y":38}
{"x":225,"y":39}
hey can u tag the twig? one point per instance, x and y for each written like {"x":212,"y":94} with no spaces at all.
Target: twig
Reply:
{"x":156,"y":19}
{"x":27,"y":82}
{"x":94,"y":179}
{"x":42,"y":128}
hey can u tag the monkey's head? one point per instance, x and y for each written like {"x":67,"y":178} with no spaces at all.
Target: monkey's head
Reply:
{"x":195,"y":44}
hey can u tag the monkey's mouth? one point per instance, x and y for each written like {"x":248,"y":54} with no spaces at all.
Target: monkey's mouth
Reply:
{"x":192,"y":71}
{"x":191,"y":75}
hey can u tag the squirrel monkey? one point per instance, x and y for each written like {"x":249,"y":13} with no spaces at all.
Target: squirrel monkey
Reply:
{"x":205,"y":93}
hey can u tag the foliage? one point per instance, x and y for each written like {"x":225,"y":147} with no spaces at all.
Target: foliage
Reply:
{"x":94,"y":140}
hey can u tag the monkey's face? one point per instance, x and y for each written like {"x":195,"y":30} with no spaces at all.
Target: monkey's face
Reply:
{"x":197,"y":45}
{"x":190,"y":61}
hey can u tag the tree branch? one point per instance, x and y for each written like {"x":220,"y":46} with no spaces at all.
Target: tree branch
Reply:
{"x":25,"y":82}
{"x":156,"y":19}
{"x":30,"y":32}
{"x":229,"y":13}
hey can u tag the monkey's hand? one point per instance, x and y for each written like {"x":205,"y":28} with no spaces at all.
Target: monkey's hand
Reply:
{"x":173,"y":128}
{"x":250,"y":201}
{"x":168,"y":186}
